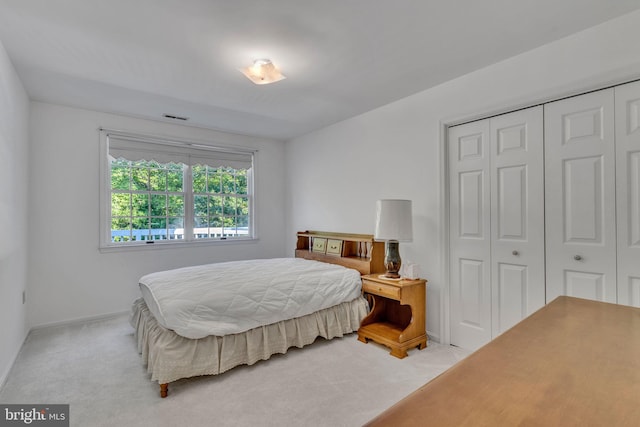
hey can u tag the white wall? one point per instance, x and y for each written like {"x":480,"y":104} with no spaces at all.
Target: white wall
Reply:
{"x":14,"y":138}
{"x":69,"y":278}
{"x":336,"y":174}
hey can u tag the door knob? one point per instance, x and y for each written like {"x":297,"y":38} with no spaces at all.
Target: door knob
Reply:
{"x":577,"y":257}
{"x":516,"y":253}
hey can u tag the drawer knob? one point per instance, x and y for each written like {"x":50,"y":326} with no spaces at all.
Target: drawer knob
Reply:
{"x":577,"y":257}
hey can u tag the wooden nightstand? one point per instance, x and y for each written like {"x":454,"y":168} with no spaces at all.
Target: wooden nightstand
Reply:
{"x":397,"y":319}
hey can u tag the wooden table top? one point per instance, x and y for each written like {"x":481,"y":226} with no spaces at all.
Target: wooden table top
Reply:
{"x":574,"y":362}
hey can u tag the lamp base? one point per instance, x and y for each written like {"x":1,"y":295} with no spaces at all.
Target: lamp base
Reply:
{"x":392,"y":261}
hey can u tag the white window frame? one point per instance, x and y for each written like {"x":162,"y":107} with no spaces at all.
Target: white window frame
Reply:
{"x":105,"y":243}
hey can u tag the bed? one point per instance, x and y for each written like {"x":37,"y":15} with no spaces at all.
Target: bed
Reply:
{"x":205,"y":320}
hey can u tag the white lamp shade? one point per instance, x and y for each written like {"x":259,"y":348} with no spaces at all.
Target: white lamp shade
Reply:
{"x":393,"y":220}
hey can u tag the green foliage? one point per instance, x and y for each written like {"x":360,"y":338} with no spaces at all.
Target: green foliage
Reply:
{"x":241,"y":182}
{"x":175,"y":176}
{"x":199,"y":175}
{"x":120,"y":177}
{"x":148,"y":197}
{"x":220,"y":198}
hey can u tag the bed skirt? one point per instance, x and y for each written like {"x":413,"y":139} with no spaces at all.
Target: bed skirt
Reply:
{"x":169,"y":356}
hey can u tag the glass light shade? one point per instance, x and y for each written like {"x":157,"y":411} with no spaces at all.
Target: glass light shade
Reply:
{"x":263,"y":72}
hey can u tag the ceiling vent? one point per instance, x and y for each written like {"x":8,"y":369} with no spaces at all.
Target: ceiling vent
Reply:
{"x":172,"y":117}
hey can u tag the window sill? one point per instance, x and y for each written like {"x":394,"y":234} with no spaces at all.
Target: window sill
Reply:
{"x":158,"y":245}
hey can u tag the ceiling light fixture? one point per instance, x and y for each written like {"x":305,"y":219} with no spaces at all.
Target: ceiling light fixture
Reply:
{"x":262,"y":72}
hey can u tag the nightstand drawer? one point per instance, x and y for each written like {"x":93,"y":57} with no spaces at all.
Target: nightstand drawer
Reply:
{"x":334,"y":247}
{"x":319,"y":245}
{"x":381,"y":289}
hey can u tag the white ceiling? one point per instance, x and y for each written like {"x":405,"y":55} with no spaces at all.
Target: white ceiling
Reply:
{"x":341,"y":57}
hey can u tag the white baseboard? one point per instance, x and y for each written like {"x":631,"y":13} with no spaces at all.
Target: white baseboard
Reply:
{"x":5,"y":375}
{"x":433,"y":337}
{"x":78,"y":320}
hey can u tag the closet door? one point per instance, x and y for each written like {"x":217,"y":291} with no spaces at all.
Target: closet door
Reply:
{"x":580,"y":197}
{"x":517,"y":217}
{"x":497,"y":224}
{"x":628,"y":192}
{"x":470,"y":234}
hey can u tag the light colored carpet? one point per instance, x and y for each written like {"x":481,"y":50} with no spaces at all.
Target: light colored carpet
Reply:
{"x":95,"y":368}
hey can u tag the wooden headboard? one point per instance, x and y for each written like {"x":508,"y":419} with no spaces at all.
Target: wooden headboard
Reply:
{"x":357,"y":251}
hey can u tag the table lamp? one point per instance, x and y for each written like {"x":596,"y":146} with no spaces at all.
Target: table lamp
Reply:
{"x":393,"y":225}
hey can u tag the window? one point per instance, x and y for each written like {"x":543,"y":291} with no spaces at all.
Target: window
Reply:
{"x":221,"y":201}
{"x":147,"y":200}
{"x":161,"y":191}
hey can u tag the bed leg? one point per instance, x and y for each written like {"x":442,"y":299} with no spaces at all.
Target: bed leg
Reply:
{"x":164,"y":390}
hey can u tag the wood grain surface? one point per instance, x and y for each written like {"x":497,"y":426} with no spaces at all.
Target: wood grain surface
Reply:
{"x":574,"y":362}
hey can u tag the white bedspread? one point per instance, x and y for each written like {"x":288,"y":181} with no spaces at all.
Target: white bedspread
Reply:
{"x":233,"y":297}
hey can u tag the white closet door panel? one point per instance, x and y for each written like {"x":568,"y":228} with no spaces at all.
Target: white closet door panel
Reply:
{"x":472,"y":293}
{"x":517,"y":216}
{"x":513,"y":288}
{"x":584,"y":285}
{"x":471,"y":203}
{"x":584,"y":204}
{"x":470,"y":236}
{"x":580,"y":197}
{"x":628,"y":192}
